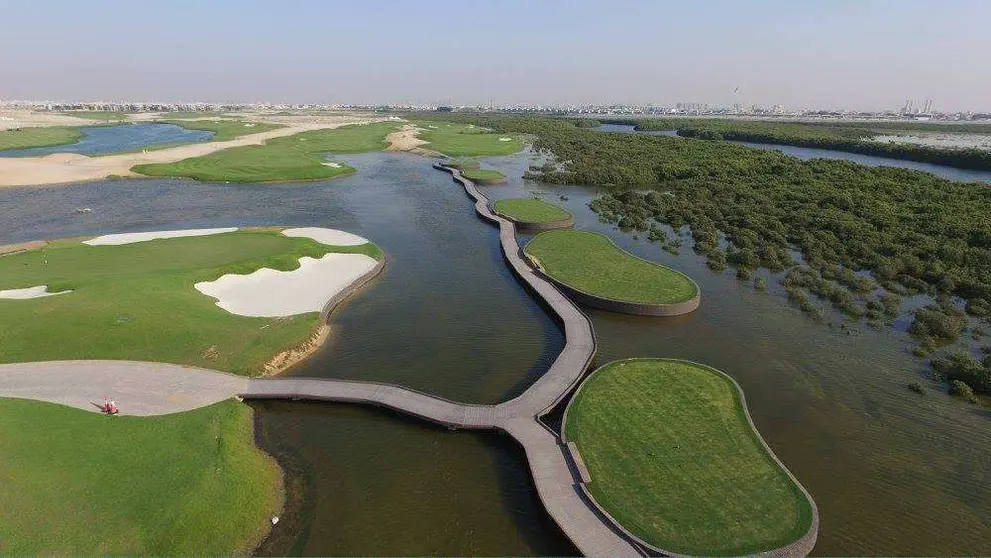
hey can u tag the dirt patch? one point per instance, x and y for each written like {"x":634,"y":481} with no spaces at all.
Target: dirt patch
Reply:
{"x":22,"y":247}
{"x":286,"y":359}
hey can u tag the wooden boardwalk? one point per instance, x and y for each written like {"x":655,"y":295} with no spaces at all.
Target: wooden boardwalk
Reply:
{"x":554,"y":475}
{"x":158,"y":388}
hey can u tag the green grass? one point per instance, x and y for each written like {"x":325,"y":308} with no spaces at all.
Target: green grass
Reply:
{"x":461,"y":140}
{"x":80,"y":483}
{"x":137,"y":301}
{"x":530,"y":210}
{"x":224,"y":130}
{"x":592,"y":263}
{"x":672,"y":458}
{"x":97,"y":115}
{"x":39,"y":137}
{"x":296,"y":157}
{"x":197,"y":114}
{"x":483,"y":176}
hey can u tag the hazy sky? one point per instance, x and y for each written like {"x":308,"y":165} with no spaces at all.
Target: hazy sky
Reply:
{"x":830,"y":53}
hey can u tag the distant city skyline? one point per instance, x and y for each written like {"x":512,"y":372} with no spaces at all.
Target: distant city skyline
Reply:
{"x":842,"y":54}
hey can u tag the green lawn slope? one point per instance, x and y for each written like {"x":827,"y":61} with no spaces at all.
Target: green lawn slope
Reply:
{"x":296,"y":157}
{"x":79,"y":483}
{"x":137,"y":301}
{"x":466,"y":140}
{"x":98,"y":115}
{"x":592,"y":263}
{"x":530,"y":210}
{"x":674,"y":460}
{"x":39,"y":137}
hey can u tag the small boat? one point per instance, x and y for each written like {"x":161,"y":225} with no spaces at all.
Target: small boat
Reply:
{"x":83,"y":210}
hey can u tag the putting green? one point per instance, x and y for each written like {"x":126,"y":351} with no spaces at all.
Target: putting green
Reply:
{"x":137,"y":301}
{"x":673,"y":458}
{"x":80,"y":483}
{"x":592,"y":263}
{"x":530,"y":210}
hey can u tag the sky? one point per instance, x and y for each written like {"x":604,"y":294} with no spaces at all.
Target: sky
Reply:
{"x":849,"y":54}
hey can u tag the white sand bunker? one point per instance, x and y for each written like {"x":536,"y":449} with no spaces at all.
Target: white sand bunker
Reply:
{"x":130,"y":238}
{"x":271,"y":293}
{"x":30,"y":292}
{"x":505,"y":139}
{"x":334,"y":165}
{"x":330,"y":237}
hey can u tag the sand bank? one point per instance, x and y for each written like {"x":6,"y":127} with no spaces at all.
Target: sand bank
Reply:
{"x":130,"y":238}
{"x":330,"y":237}
{"x":271,"y":293}
{"x":405,"y":139}
{"x":30,"y":292}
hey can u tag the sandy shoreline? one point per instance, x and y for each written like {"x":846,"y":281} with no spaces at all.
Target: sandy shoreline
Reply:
{"x":64,"y":168}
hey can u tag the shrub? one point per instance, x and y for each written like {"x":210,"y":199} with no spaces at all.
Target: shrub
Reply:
{"x":960,"y":389}
{"x":941,"y":322}
{"x":961,"y":366}
{"x":760,"y":283}
{"x":917,"y":387}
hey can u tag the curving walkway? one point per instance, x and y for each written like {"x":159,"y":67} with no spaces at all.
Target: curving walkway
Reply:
{"x":156,"y":388}
{"x":142,"y":388}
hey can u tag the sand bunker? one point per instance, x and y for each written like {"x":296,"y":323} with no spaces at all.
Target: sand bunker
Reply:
{"x":330,"y":237}
{"x":332,"y":165}
{"x":505,"y":139}
{"x":129,"y":238}
{"x":30,"y":292}
{"x":270,"y":293}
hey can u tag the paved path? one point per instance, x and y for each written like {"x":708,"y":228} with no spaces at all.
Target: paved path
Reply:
{"x":149,"y":388}
{"x":138,"y":388}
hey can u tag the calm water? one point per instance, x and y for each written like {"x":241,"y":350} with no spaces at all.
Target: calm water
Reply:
{"x":891,"y":471}
{"x":805,"y":153}
{"x":101,"y":140}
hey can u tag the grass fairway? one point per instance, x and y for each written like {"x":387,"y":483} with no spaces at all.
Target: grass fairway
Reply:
{"x":224,"y":130}
{"x":592,"y":263}
{"x":137,"y":301}
{"x":97,"y":115}
{"x":464,"y":140}
{"x":673,"y":459}
{"x":296,"y":157}
{"x":39,"y":137}
{"x":530,"y":210}
{"x":79,"y":483}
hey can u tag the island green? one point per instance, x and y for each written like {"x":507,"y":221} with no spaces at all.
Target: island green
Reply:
{"x":137,"y":301}
{"x":79,"y":483}
{"x":673,"y":458}
{"x":592,"y":263}
{"x":530,"y":210}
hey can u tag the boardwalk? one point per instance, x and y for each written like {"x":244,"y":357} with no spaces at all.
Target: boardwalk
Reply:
{"x":153,"y":388}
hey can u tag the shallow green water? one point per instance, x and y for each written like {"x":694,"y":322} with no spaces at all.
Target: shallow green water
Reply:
{"x":892,"y":472}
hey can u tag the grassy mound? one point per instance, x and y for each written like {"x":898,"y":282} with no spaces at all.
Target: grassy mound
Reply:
{"x":465,"y":140}
{"x":592,"y":263}
{"x":672,"y":458}
{"x":296,"y":157}
{"x":530,"y":210}
{"x":224,"y":130}
{"x":80,"y":483}
{"x":137,"y":301}
{"x":39,"y":137}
